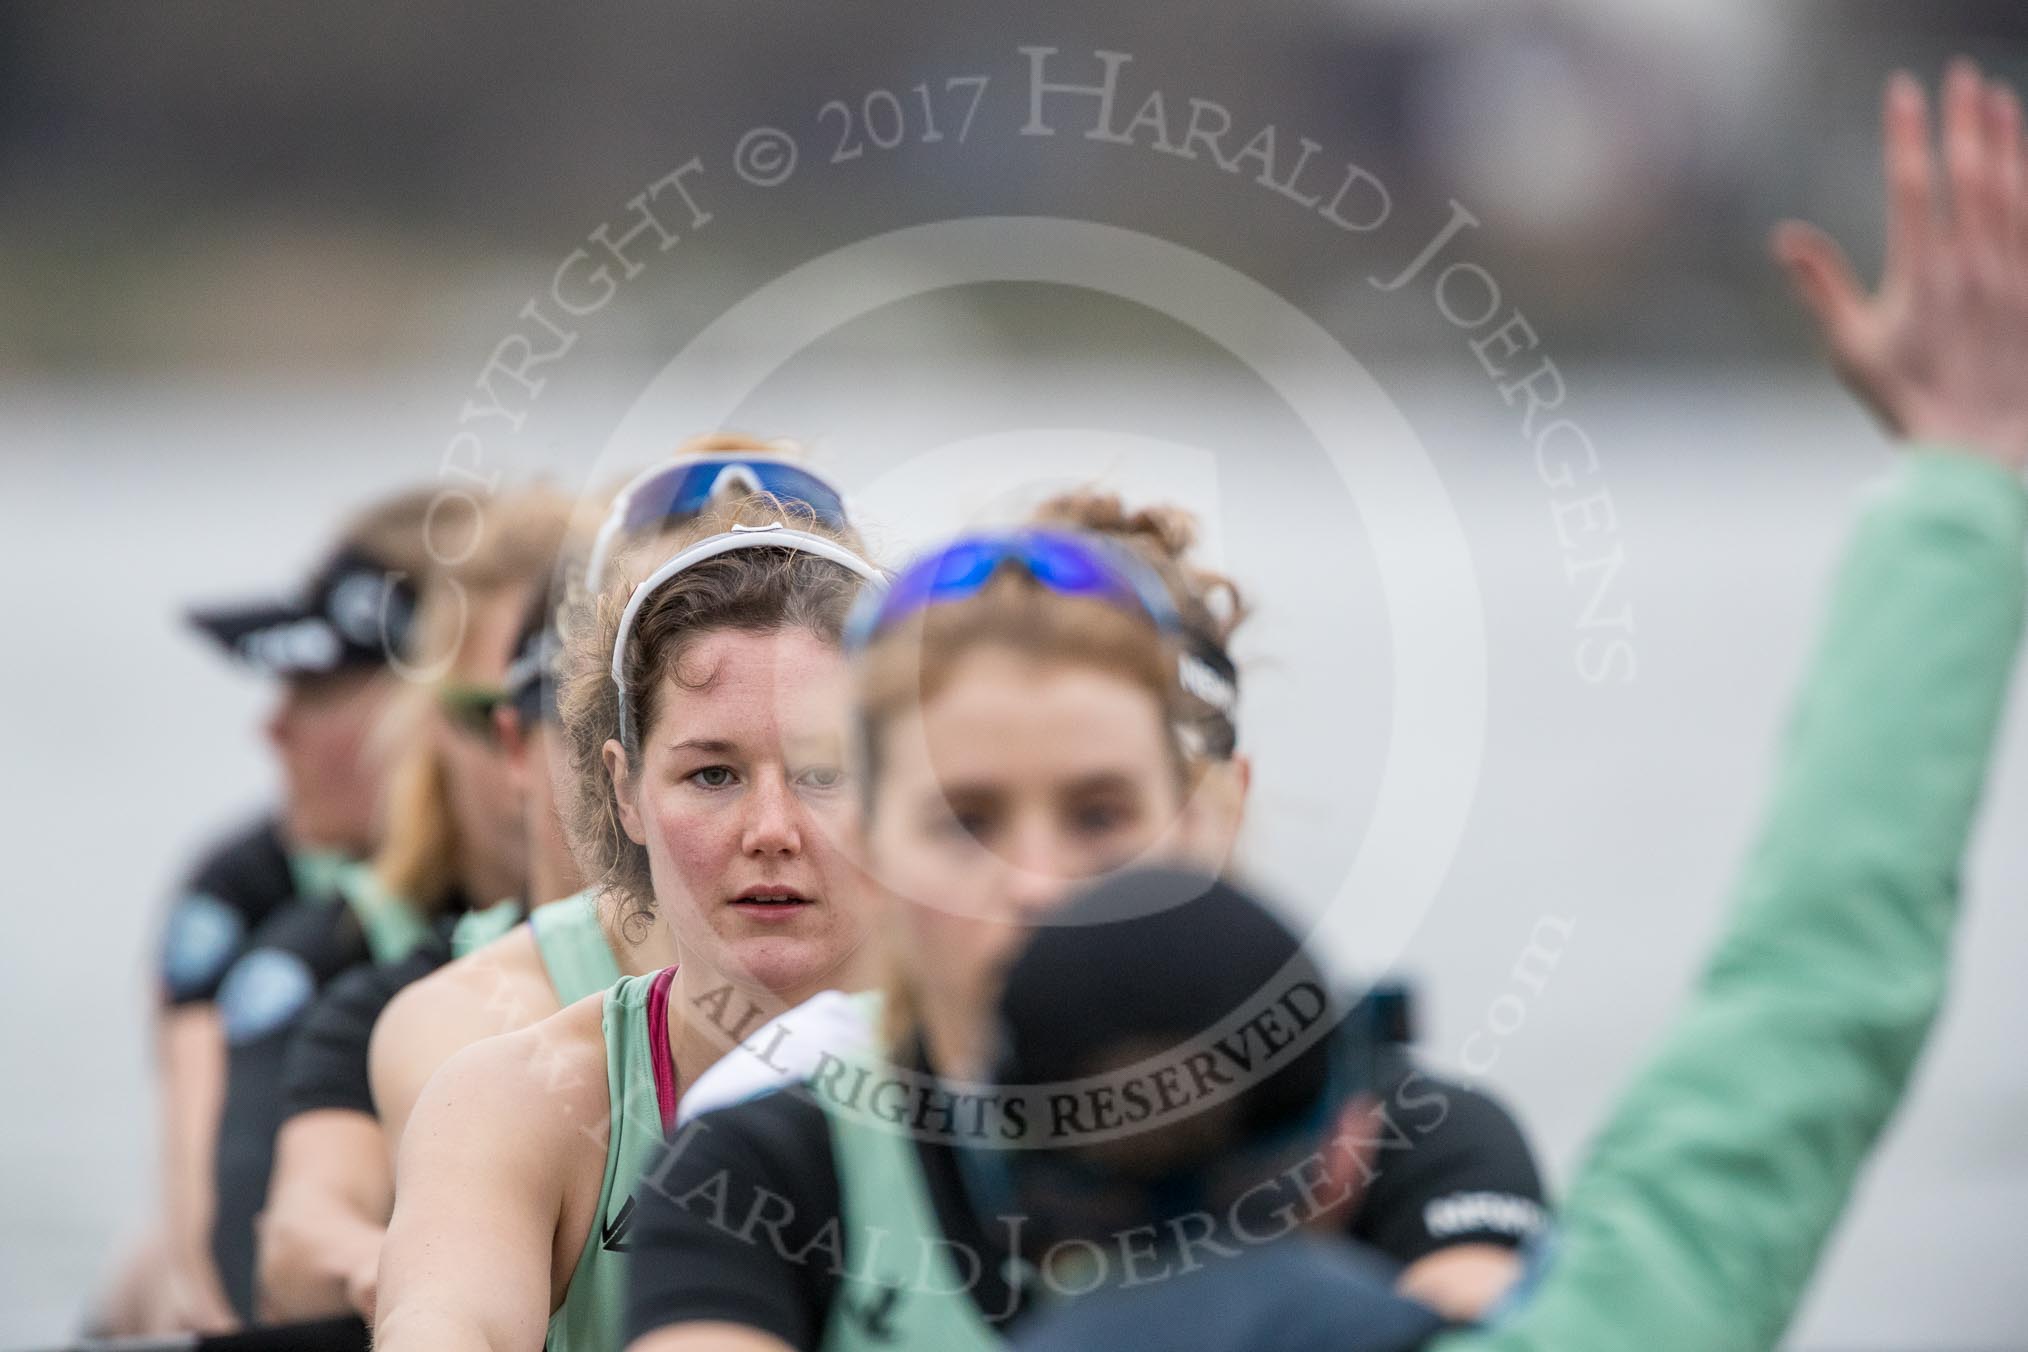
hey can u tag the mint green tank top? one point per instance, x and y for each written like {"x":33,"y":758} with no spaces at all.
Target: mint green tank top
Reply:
{"x":392,"y":927}
{"x":476,"y":929}
{"x":922,"y":1297}
{"x":641,"y":1082}
{"x":573,"y":947}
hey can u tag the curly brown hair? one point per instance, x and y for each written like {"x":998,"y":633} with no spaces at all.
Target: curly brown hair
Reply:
{"x":1209,"y":604}
{"x":751,"y":591}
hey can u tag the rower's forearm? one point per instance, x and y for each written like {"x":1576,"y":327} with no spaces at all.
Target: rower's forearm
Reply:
{"x":310,"y":1246}
{"x":191,"y":1075}
{"x":411,"y":1328}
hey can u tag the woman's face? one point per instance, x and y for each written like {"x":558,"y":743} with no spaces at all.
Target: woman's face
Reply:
{"x":322,"y":732}
{"x":1019,"y":781}
{"x":479,"y":789}
{"x":743,"y":803}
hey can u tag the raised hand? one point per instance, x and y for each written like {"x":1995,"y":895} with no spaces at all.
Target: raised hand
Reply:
{"x":1940,"y":351}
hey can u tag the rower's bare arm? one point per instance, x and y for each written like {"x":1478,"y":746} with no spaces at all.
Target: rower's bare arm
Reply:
{"x":326,"y":1216}
{"x":1462,"y":1281}
{"x":191,"y":1044}
{"x":479,"y":1186}
{"x":708,"y":1338}
{"x":478,"y":996}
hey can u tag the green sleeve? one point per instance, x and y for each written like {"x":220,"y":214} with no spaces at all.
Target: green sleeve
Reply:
{"x":1701,"y":1208}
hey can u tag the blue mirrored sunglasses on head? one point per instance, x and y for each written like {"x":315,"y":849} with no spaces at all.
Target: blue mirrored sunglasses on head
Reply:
{"x":684,"y":489}
{"x":670,"y":494}
{"x":1066,"y":563}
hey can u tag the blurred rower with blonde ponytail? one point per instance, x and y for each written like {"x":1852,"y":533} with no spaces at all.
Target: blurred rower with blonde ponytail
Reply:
{"x":454,"y":837}
{"x":450,"y":873}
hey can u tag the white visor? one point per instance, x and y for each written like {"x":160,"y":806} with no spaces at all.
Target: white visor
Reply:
{"x":772,"y":536}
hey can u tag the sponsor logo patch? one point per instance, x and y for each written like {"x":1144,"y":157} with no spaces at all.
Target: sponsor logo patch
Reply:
{"x":265,"y":990}
{"x":202,"y":935}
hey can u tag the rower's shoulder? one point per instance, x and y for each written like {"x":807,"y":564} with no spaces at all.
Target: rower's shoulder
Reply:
{"x":545,"y":1083}
{"x":569,"y":1044}
{"x":496,"y":989}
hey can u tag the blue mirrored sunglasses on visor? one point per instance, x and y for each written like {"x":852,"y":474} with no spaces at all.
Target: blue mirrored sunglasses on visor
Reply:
{"x":669,"y":494}
{"x":1069,"y":564}
{"x":1066,"y":563}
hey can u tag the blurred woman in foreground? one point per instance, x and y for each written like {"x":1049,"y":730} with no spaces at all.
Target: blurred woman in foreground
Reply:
{"x":1465,"y":1144}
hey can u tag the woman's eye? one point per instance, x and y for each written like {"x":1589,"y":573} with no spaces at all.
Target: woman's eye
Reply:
{"x":823,"y":777}
{"x":1098,"y":819}
{"x":712,"y":777}
{"x":969,"y":826}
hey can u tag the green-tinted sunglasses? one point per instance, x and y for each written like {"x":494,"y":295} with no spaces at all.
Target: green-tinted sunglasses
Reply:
{"x":471,"y":707}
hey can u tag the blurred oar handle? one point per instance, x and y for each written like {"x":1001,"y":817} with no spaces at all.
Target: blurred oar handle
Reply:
{"x":324,"y":1335}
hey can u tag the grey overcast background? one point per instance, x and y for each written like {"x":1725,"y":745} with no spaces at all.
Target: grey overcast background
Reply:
{"x":254,"y":263}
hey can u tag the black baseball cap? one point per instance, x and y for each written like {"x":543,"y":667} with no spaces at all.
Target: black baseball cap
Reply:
{"x":1159,"y":959}
{"x":1173,"y":1044}
{"x":354,"y":612}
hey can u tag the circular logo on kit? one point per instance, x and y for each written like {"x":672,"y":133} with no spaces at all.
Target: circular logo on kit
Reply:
{"x":262,"y":993}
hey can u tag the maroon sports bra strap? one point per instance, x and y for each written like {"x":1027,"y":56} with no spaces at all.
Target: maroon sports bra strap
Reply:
{"x":664,"y":1061}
